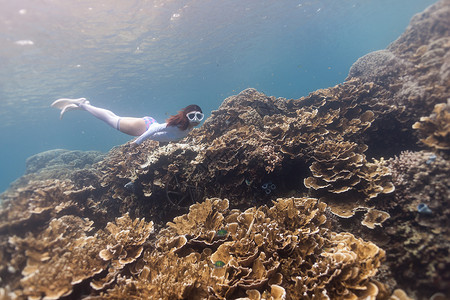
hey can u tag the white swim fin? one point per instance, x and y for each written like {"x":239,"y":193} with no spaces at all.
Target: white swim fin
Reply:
{"x":66,"y":104}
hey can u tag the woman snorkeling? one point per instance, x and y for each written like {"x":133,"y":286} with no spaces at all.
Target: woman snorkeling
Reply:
{"x":176,"y":127}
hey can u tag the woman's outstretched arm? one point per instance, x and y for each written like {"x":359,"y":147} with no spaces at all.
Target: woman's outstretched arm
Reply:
{"x":163,"y":133}
{"x":154,"y":128}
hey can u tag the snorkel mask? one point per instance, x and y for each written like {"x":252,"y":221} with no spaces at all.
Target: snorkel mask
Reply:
{"x":195,"y":116}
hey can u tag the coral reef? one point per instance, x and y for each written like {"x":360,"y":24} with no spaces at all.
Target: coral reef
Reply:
{"x":345,"y":173}
{"x":64,"y":255}
{"x":150,"y":221}
{"x":435,"y":129}
{"x":415,"y":73}
{"x":270,"y":252}
{"x":40,"y":201}
{"x":418,"y":247}
{"x":125,"y":245}
{"x":58,"y":258}
{"x":379,"y":66}
{"x":59,"y":164}
{"x":284,"y":250}
{"x":58,"y":159}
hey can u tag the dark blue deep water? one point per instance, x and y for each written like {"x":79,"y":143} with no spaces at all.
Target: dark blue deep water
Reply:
{"x":154,"y":57}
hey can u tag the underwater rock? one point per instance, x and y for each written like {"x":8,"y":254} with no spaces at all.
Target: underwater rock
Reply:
{"x":425,"y":46}
{"x":60,"y":158}
{"x":419,"y":244}
{"x":379,"y":66}
{"x":59,"y":164}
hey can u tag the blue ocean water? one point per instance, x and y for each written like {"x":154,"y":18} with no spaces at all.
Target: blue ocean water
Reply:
{"x":154,"y":57}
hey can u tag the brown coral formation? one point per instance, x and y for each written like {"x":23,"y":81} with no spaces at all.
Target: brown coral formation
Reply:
{"x":328,"y":145}
{"x":415,"y":68}
{"x":276,"y":252}
{"x":315,"y":128}
{"x":66,"y":254}
{"x":125,"y":245}
{"x":419,"y":243}
{"x":435,"y":129}
{"x":58,"y":258}
{"x":342,"y":170}
{"x":38,"y":202}
{"x":284,"y":250}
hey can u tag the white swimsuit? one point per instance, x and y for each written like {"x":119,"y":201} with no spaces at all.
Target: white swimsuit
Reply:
{"x":163,"y":133}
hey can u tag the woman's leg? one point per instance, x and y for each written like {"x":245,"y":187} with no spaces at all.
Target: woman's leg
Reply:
{"x":105,"y":115}
{"x":131,"y":126}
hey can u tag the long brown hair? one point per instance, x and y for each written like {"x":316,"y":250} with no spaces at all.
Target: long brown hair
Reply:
{"x":180,"y":119}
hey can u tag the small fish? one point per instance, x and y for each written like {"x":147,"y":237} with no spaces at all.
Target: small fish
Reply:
{"x":431,"y":159}
{"x":221,"y":232}
{"x":129,"y":186}
{"x":219,"y":264}
{"x":423,"y":209}
{"x":268,"y":187}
